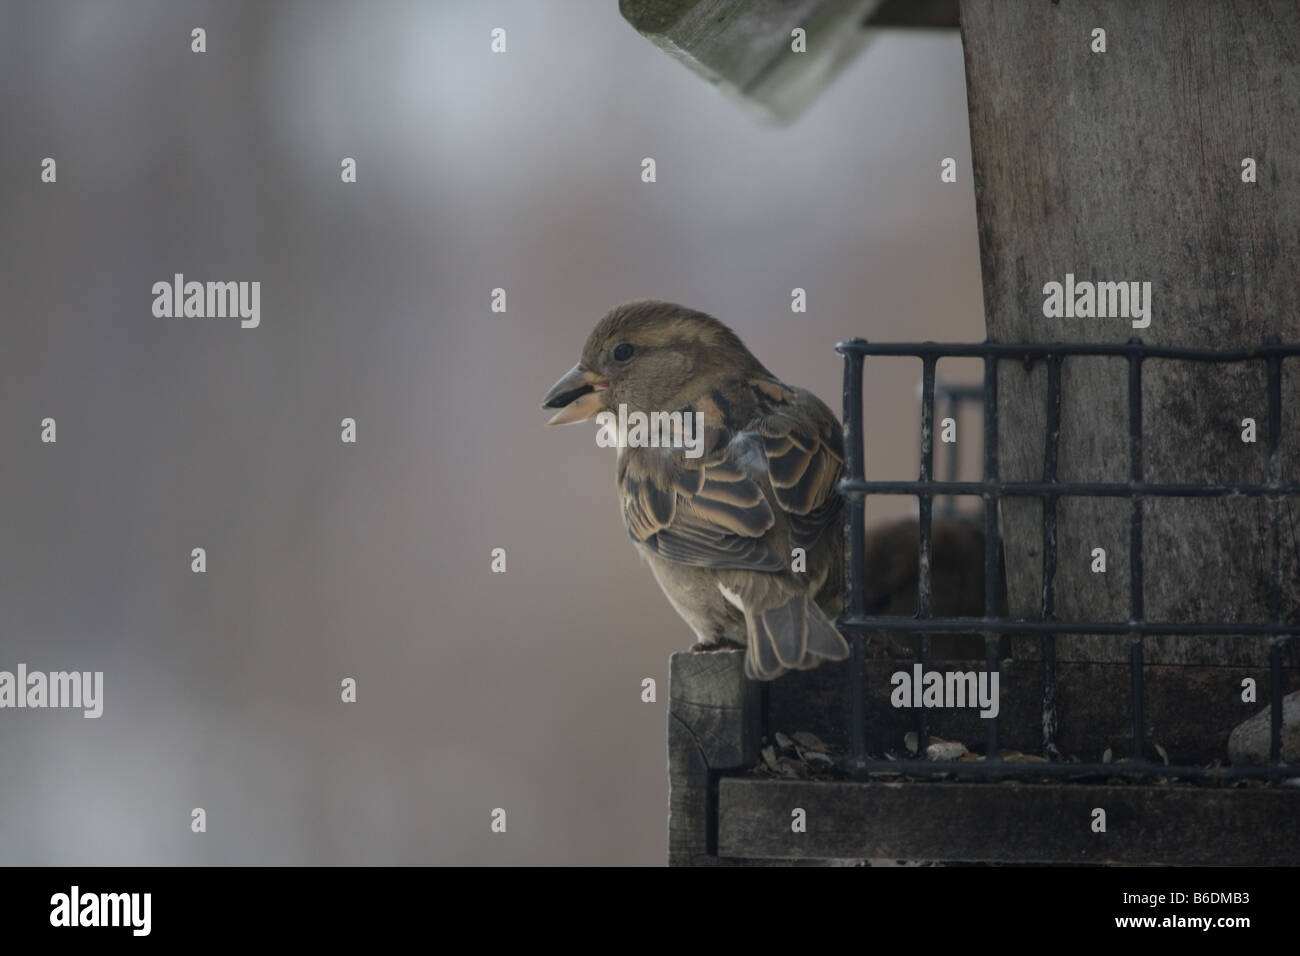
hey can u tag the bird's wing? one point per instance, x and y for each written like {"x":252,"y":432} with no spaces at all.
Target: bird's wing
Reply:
{"x":705,"y":512}
{"x":711,"y":512}
{"x":804,"y":446}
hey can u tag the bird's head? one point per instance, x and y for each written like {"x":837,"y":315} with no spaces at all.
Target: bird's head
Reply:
{"x":650,"y":356}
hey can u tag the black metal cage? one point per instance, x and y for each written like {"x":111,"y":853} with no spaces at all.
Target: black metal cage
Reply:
{"x":855,"y":487}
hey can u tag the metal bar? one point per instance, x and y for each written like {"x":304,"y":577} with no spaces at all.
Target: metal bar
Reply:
{"x":1144,"y":769}
{"x":1136,"y":591}
{"x":1051,"y":443}
{"x":925,"y":501}
{"x":949,"y":507}
{"x":1044,"y":349}
{"x":1076,"y":489}
{"x":992,"y":642}
{"x":959,"y":393}
{"x":1275,"y":688}
{"x":958,"y":625}
{"x":925,"y":505}
{"x":1275,"y":680}
{"x":855,"y":568}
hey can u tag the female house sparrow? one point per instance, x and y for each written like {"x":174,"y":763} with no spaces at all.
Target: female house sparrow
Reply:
{"x":720,"y":528}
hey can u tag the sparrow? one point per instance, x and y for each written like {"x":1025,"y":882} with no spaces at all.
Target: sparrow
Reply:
{"x":743,"y":531}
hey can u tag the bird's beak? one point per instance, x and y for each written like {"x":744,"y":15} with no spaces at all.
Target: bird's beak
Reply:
{"x":577,"y":396}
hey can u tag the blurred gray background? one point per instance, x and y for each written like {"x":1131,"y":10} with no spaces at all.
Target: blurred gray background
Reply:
{"x":476,"y":690}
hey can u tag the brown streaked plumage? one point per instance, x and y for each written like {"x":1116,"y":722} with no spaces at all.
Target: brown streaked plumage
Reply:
{"x":720,"y":531}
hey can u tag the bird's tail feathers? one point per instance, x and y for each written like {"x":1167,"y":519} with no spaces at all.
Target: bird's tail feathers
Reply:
{"x":795,"y":635}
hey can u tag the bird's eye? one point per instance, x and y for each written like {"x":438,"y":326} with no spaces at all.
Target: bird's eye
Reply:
{"x":622,"y":352}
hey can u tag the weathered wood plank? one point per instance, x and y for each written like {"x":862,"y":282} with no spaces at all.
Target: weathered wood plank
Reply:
{"x":713,"y":725}
{"x":1008,"y":822}
{"x":1127,"y":166}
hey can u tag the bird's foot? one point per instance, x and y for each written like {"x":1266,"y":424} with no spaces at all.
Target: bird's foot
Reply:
{"x":721,"y":644}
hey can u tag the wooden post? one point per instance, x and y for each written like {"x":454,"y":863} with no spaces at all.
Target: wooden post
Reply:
{"x":1128,"y":165}
{"x":713,"y":725}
